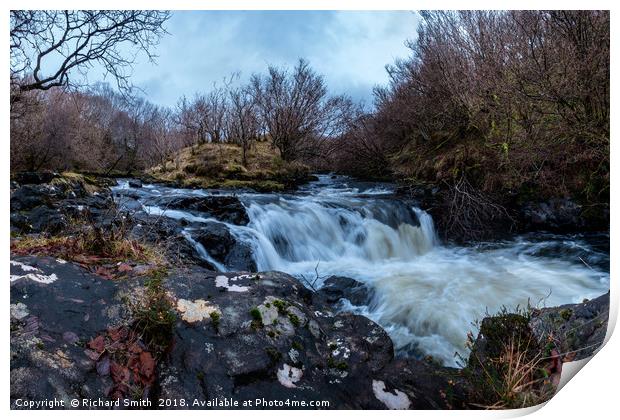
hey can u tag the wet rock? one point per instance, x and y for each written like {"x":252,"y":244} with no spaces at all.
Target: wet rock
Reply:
{"x":47,"y":219}
{"x":337,"y":287}
{"x":34,"y":177}
{"x":30,"y":196}
{"x":577,"y":330}
{"x":274,"y":341}
{"x":553,"y":215}
{"x":57,"y":307}
{"x":135,"y":183}
{"x":226,"y":208}
{"x":222,"y":246}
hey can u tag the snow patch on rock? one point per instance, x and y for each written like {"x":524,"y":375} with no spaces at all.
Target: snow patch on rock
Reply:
{"x":289,"y":375}
{"x":396,"y":400}
{"x":223,"y":281}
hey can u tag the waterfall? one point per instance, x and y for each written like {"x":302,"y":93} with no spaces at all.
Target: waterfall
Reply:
{"x":425,"y":294}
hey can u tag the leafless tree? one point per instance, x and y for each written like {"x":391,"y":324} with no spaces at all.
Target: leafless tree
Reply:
{"x":296,"y":110}
{"x":48,"y":47}
{"x":243,"y":119}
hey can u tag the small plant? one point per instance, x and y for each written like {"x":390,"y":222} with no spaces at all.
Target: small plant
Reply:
{"x":297,"y":346}
{"x":154,"y":317}
{"x":510,"y":369}
{"x":273,"y":354}
{"x":566,"y":314}
{"x":331,"y":363}
{"x":294,"y":319}
{"x":281,"y":306}
{"x":215,"y":318}
{"x":257,"y":318}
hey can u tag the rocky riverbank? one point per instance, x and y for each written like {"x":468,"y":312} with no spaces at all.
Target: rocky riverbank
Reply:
{"x":157,"y":321}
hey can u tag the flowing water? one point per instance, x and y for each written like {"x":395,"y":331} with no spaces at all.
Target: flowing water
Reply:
{"x":425,"y":294}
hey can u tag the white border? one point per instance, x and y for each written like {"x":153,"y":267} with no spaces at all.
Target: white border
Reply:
{"x":593,"y":394}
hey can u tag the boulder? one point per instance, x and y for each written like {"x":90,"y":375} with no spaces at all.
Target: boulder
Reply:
{"x":337,"y":287}
{"x":577,"y":330}
{"x":34,"y":177}
{"x":56,"y":307}
{"x":556,"y":215}
{"x":222,"y":246}
{"x":226,"y":208}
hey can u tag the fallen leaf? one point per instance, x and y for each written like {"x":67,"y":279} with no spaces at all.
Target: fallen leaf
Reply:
{"x":148,"y":364}
{"x":97,"y":344}
{"x":120,"y":374}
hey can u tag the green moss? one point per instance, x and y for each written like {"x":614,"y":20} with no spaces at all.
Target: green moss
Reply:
{"x":257,"y":322}
{"x":294,"y":319}
{"x":281,"y":305}
{"x":154,"y":318}
{"x":215,"y":318}
{"x":331,"y":363}
{"x":273,"y":354}
{"x":297,"y":346}
{"x":566,"y":314}
{"x":255,"y":312}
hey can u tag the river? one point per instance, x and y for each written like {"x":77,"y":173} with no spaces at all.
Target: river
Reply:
{"x":426,"y":294}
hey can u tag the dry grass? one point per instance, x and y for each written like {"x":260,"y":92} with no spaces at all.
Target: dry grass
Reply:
{"x":509,"y":368}
{"x":221,"y":166}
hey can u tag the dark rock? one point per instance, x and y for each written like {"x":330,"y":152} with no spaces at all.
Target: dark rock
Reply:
{"x":226,"y":208}
{"x":222,"y":246}
{"x":34,"y":177}
{"x":578,"y":330}
{"x":135,"y":183}
{"x":29,"y":196}
{"x":47,"y":219}
{"x":553,"y":215}
{"x":336,"y":288}
{"x":54,"y":307}
{"x":290,"y":348}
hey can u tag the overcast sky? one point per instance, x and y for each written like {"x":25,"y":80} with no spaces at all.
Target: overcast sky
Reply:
{"x":349,"y":48}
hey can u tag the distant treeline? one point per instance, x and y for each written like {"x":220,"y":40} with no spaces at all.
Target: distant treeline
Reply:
{"x":496,"y":102}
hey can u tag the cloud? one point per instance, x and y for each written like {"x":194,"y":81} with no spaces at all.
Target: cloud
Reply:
{"x":349,"y":48}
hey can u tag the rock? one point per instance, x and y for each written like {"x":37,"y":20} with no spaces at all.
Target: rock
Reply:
{"x":47,"y":219}
{"x":47,"y":360}
{"x":226,"y":208}
{"x":34,"y":177}
{"x":30,"y":196}
{"x":578,"y":330}
{"x":274,"y":341}
{"x":135,"y":183}
{"x":336,"y":288}
{"x":556,"y":215}
{"x":222,"y":246}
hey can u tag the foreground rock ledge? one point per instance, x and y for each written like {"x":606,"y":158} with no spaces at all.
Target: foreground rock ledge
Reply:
{"x":240,"y":336}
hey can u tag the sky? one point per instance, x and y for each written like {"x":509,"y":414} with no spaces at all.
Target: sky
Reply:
{"x":349,"y":48}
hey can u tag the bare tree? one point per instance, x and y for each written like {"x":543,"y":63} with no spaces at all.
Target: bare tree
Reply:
{"x":243,"y":120}
{"x":296,"y":110}
{"x":49,"y":46}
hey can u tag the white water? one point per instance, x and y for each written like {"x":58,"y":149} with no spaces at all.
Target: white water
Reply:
{"x":426,"y":295}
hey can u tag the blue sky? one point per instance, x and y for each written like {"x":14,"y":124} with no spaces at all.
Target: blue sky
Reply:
{"x":349,"y":48}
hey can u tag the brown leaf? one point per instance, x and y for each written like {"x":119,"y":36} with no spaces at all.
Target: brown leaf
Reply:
{"x":124,"y":267}
{"x":120,"y":374}
{"x":97,"y":344}
{"x":148,"y":365}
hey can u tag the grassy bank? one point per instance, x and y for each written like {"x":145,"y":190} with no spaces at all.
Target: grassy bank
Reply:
{"x":221,"y":166}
